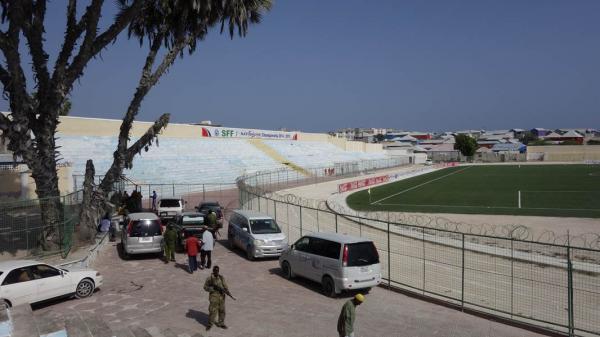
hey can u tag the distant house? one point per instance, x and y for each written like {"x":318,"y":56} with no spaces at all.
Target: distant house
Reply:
{"x":518,"y":133}
{"x":487,"y":143}
{"x":539,"y":132}
{"x":510,"y":147}
{"x":568,"y":136}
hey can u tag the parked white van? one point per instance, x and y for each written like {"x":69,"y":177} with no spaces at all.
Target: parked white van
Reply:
{"x":337,"y":261}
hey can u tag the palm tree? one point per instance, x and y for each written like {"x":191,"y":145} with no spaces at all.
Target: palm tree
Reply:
{"x":176,"y":26}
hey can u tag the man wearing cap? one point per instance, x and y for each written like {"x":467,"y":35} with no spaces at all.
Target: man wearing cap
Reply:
{"x":345,"y":325}
{"x":216,"y":287}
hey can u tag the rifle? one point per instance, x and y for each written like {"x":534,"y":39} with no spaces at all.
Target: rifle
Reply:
{"x":226,"y":292}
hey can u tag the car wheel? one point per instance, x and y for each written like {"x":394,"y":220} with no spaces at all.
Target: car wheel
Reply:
{"x":5,"y":303}
{"x":249,"y":254}
{"x":328,"y":287}
{"x":85,"y":288}
{"x":287,"y":270}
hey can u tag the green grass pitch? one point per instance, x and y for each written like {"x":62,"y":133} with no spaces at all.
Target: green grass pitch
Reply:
{"x":545,"y":190}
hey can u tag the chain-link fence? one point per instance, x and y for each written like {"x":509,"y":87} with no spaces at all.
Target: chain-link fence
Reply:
{"x":549,"y":285}
{"x":23,"y":232}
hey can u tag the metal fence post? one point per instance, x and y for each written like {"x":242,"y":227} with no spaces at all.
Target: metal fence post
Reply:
{"x":570,"y":291}
{"x":173,"y":189}
{"x":512,"y":277}
{"x":203,"y":193}
{"x":423,"y":240}
{"x":318,"y":230}
{"x":389,"y":249}
{"x":300,"y":220}
{"x":462,"y":291}
{"x":259,"y":203}
{"x":275,"y":210}
{"x":336,"y":223}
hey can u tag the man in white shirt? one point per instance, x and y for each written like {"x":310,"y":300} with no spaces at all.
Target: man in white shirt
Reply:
{"x":208,"y":243}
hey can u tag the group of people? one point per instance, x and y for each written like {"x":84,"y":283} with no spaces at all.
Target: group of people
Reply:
{"x":215,"y":283}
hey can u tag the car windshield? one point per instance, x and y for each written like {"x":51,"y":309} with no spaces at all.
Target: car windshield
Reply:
{"x":264,"y":226}
{"x":192,"y":220}
{"x":144,"y":228}
{"x":169,"y":203}
{"x":362,"y":254}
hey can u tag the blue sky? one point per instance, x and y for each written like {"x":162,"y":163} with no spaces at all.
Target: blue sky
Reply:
{"x":317,"y":65}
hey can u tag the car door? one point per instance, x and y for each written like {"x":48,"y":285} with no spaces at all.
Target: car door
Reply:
{"x":244,"y":236}
{"x":51,"y":282}
{"x":299,"y":256}
{"x":19,"y":286}
{"x":314,"y":259}
{"x":234,"y":229}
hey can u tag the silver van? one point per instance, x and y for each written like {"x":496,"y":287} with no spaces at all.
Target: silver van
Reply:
{"x":337,"y":261}
{"x":256,"y":233}
{"x":142,"y":234}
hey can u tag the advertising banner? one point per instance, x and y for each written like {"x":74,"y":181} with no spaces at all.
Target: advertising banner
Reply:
{"x":220,"y":132}
{"x":353,"y":185}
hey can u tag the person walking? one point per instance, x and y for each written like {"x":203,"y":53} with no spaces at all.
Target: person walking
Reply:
{"x":345,"y":326}
{"x":153,"y":197}
{"x":170,"y":237}
{"x":191,"y":246}
{"x":217,"y":288}
{"x":208,"y":243}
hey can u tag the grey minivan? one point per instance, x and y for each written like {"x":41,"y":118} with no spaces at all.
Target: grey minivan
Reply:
{"x":256,"y":233}
{"x":142,"y":234}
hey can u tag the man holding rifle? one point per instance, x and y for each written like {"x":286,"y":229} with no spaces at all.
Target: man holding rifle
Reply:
{"x":217,"y":289}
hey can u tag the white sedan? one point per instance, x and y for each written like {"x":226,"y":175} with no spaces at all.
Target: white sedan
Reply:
{"x":27,"y":281}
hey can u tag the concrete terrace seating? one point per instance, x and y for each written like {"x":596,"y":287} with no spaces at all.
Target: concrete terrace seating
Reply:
{"x":173,"y":161}
{"x":318,"y":154}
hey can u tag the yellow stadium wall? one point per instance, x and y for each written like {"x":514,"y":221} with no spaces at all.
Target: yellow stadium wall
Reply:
{"x":79,"y":126}
{"x":567,"y":153}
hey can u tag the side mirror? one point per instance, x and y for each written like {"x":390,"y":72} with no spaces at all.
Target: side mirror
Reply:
{"x":244,"y":229}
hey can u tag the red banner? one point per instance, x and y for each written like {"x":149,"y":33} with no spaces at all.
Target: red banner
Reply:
{"x":353,"y":185}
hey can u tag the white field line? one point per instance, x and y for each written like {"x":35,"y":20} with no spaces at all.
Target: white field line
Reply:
{"x":502,"y":207}
{"x":425,"y":183}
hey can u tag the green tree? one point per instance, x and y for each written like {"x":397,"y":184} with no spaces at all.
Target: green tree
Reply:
{"x":379,"y":138}
{"x":465,"y":144}
{"x":170,"y":28}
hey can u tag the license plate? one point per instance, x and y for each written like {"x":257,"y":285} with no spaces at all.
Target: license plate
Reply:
{"x":364,"y":269}
{"x":146,"y":239}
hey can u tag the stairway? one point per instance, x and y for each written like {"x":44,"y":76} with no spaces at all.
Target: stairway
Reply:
{"x":20,"y":321}
{"x":269,"y":151}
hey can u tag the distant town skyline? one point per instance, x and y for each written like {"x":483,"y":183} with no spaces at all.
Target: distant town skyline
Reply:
{"x":321,"y":66}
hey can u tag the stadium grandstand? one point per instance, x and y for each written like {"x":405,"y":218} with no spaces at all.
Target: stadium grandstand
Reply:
{"x":191,"y":153}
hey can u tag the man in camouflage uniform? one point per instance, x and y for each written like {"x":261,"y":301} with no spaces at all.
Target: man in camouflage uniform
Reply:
{"x":216,"y":287}
{"x":170,"y":237}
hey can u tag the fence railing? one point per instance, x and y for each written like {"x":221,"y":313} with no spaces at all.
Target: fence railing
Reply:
{"x":23,"y":232}
{"x":543,"y":284}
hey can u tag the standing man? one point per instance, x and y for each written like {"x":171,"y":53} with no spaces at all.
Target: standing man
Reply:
{"x":347,"y":317}
{"x":170,"y":237}
{"x":211,"y":218}
{"x":153,"y":196}
{"x":191,"y":246}
{"x":208,"y":243}
{"x":216,"y":287}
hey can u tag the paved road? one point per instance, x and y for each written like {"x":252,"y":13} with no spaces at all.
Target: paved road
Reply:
{"x":147,"y":292}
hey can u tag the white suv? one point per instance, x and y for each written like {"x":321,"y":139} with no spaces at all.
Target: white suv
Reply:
{"x":170,"y":208}
{"x":337,"y":261}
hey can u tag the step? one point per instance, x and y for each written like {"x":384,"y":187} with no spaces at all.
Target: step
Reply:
{"x":5,"y":323}
{"x":97,"y":327}
{"x":75,"y":326}
{"x":22,"y":317}
{"x":169,"y":333}
{"x":49,"y":325}
{"x":140,"y":332}
{"x":155,"y":332}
